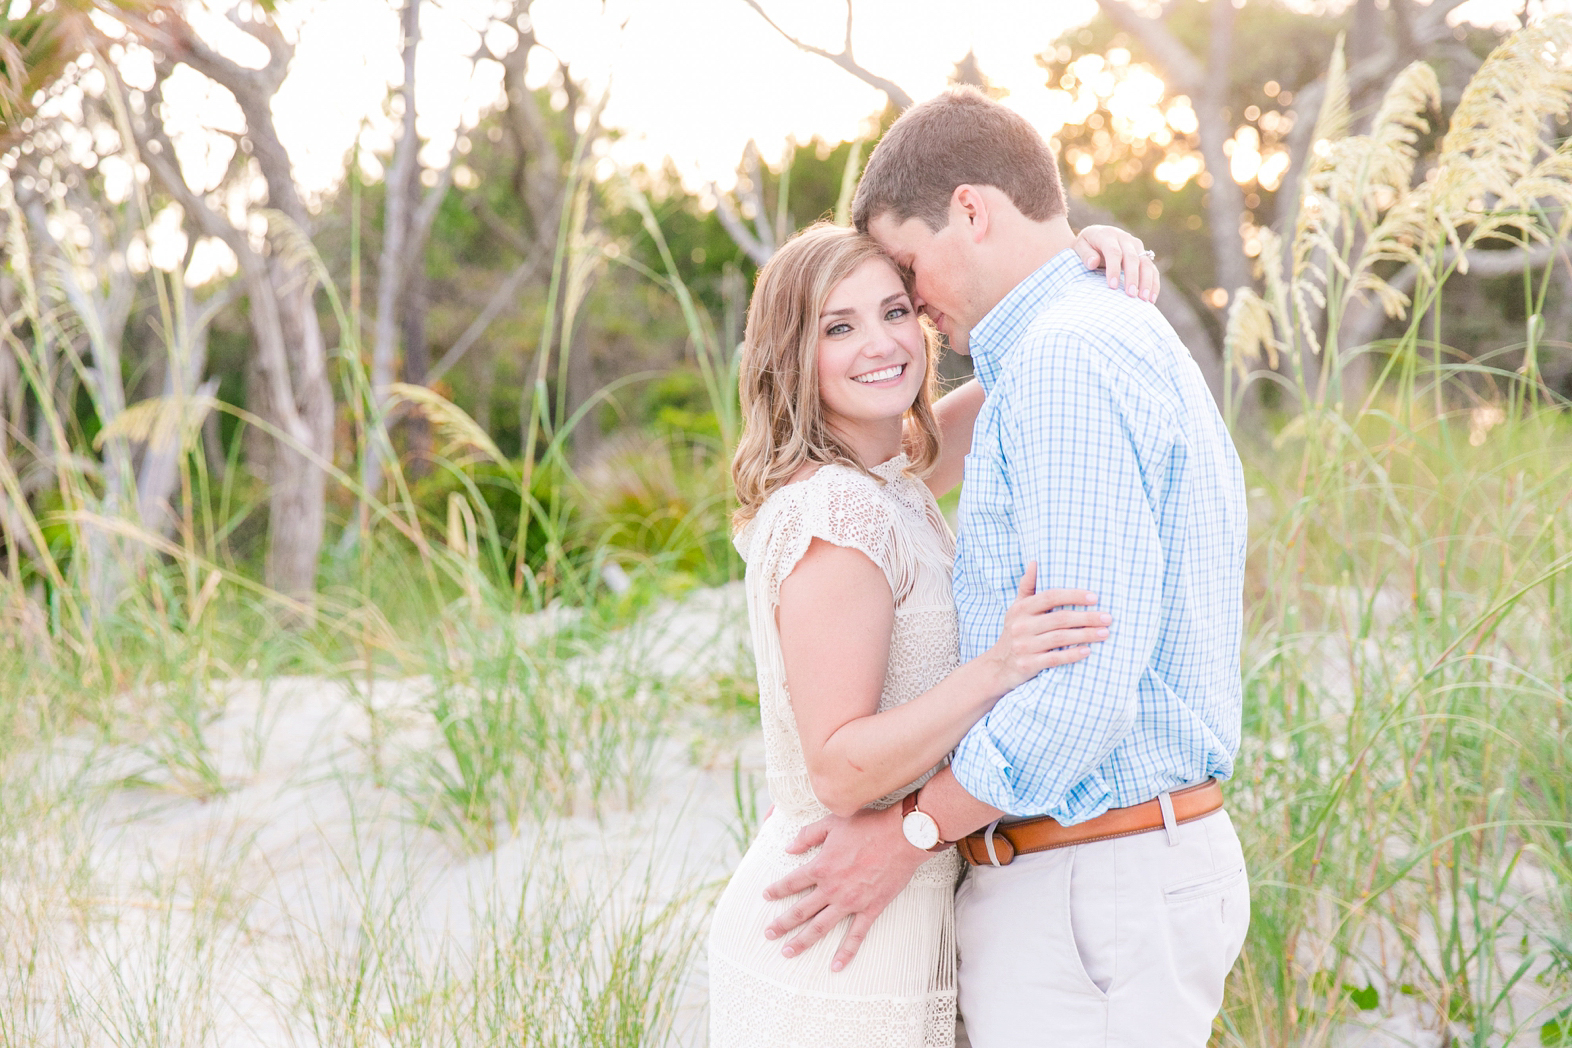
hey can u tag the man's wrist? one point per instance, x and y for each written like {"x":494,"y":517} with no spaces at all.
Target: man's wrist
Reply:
{"x":920,"y":828}
{"x":956,"y":811}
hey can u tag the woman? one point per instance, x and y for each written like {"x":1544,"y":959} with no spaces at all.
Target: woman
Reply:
{"x":842,"y":454}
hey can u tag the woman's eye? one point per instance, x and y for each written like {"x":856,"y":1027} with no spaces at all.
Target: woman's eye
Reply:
{"x":896,"y":313}
{"x":838,"y":329}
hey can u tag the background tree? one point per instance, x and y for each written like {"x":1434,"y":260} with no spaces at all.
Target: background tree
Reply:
{"x":1240,"y":89}
{"x":288,"y":384}
{"x":78,"y":219}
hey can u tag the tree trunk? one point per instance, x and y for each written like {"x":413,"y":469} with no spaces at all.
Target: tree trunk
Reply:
{"x":417,"y":361}
{"x":1225,"y":199}
{"x":158,"y":474}
{"x":581,"y":387}
{"x":297,"y":502}
{"x":391,"y":265}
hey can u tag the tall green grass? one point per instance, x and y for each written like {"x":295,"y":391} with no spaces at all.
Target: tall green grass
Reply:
{"x":1406,"y":779}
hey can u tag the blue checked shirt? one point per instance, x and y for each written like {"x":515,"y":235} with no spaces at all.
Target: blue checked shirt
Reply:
{"x":1100,"y":454}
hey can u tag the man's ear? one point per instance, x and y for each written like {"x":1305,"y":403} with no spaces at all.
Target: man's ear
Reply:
{"x":968,"y":205}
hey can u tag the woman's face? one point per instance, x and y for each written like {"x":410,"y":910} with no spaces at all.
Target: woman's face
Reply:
{"x":872,"y":356}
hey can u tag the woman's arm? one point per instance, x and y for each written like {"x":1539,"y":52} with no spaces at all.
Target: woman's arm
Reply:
{"x":957,"y":412}
{"x":836,"y":616}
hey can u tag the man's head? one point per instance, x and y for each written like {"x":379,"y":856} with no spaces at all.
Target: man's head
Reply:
{"x":966,"y":193}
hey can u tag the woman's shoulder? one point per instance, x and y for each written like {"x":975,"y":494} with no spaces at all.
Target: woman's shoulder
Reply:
{"x":817,"y":482}
{"x":831,"y":501}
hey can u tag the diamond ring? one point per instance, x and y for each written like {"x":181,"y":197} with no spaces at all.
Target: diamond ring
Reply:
{"x":1149,"y":253}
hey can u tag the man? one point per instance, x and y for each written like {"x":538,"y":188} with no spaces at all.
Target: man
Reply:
{"x":1108,"y":897}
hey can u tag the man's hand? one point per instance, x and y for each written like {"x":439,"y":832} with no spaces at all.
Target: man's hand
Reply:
{"x":864,"y":861}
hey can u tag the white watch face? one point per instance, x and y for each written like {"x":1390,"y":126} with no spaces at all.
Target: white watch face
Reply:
{"x":920,"y":829}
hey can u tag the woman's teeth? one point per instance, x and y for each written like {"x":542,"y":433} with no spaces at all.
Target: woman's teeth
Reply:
{"x":881,"y":376}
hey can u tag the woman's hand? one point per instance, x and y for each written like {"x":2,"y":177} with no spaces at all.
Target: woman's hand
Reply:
{"x":1111,"y":248}
{"x":1036,"y":636}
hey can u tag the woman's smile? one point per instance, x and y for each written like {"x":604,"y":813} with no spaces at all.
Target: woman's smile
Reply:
{"x":888,"y":375}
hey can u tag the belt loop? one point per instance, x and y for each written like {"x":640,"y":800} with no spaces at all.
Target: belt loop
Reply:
{"x":993,"y":856}
{"x":1166,"y":803}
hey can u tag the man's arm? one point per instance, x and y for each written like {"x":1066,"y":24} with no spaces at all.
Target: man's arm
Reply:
{"x":1081,"y":509}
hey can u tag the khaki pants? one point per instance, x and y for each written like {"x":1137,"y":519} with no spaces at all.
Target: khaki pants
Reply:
{"x":1107,"y":945}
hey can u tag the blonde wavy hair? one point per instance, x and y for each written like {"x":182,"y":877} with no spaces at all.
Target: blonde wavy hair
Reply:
{"x":783,"y":420}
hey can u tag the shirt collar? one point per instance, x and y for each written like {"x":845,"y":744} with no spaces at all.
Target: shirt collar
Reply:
{"x":998,"y":331}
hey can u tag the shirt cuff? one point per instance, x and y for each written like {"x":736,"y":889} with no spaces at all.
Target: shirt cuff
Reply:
{"x":984,"y":772}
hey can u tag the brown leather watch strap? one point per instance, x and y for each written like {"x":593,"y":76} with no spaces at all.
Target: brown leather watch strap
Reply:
{"x":998,"y":844}
{"x":909,"y":805}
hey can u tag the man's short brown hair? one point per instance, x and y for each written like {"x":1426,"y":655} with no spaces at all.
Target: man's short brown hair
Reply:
{"x":957,"y":138}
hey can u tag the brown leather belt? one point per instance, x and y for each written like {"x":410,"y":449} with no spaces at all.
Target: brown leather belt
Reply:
{"x":1044,"y":833}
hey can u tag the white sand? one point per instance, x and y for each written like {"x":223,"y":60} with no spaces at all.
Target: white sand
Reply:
{"x":143,"y":915}
{"x":233,"y":902}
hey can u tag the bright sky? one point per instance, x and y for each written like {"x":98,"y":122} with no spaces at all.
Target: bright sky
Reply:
{"x":692,"y":80}
{"x":689,"y":79}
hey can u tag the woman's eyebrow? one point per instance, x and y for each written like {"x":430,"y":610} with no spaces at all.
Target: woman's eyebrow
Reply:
{"x":847,"y":311}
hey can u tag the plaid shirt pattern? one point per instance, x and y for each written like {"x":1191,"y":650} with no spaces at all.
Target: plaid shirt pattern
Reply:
{"x":1100,"y":454}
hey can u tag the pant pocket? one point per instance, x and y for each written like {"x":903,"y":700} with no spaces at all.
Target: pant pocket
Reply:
{"x":1091,"y":913}
{"x":1210,"y":916}
{"x":1214,"y":883}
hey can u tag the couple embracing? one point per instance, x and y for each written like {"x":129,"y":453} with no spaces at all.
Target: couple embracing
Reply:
{"x":1038,"y":713}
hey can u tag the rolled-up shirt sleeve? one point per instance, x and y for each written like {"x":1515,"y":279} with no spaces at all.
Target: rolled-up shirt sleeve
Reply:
{"x":1083,"y":512}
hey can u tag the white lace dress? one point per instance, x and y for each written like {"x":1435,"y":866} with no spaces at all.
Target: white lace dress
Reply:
{"x":899,"y":992}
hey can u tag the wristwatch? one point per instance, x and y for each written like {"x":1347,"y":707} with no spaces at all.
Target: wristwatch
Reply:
{"x":920,"y":829}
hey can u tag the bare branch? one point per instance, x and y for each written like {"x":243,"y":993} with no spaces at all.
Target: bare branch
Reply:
{"x":893,"y":91}
{"x":505,"y":293}
{"x":1431,"y":25}
{"x":253,"y":90}
{"x":154,"y":149}
{"x":394,"y":259}
{"x":761,"y":222}
{"x":426,"y":214}
{"x":1181,"y":69}
{"x":738,"y":230}
{"x":279,"y":50}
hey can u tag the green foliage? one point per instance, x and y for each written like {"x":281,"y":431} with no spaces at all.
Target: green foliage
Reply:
{"x":665,"y":503}
{"x":555,"y":528}
{"x":677,"y":405}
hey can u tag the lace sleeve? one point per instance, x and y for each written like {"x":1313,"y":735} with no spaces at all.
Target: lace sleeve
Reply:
{"x":836,"y":505}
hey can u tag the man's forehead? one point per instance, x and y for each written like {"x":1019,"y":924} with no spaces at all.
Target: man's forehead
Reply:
{"x":899,"y":238}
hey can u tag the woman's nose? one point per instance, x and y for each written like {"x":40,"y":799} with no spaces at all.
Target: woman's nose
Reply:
{"x":884,"y":343}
